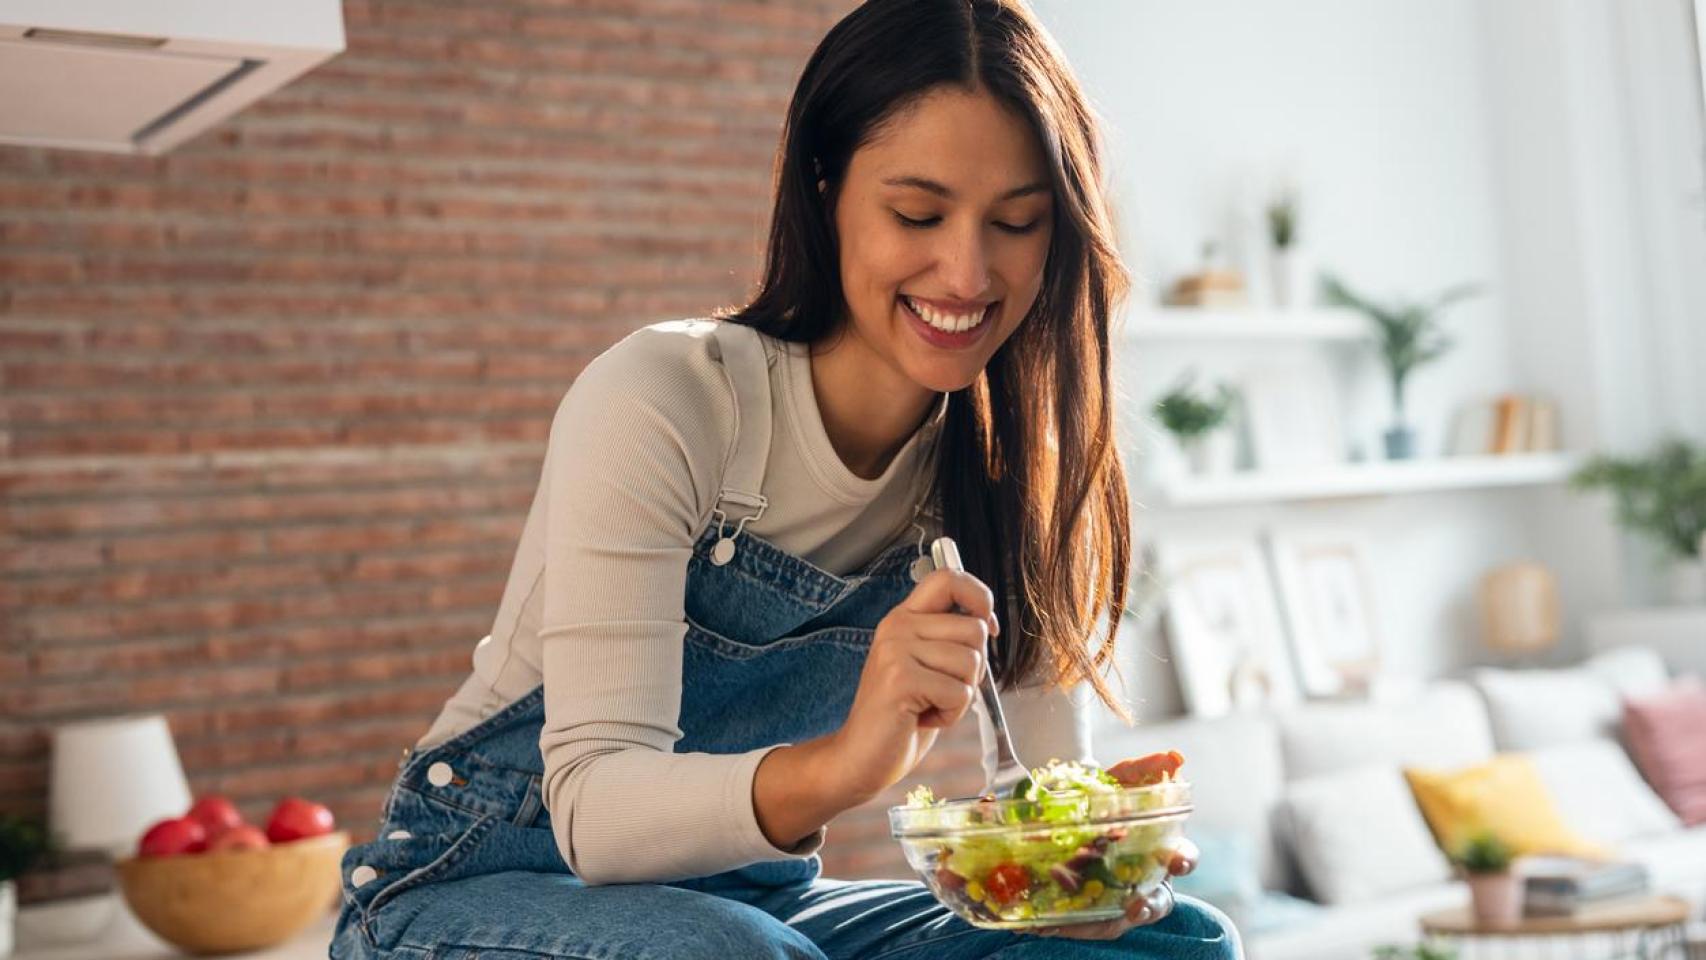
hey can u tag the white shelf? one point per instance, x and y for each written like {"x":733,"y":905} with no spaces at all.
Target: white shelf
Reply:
{"x":1190,"y":324}
{"x":1365,"y":480}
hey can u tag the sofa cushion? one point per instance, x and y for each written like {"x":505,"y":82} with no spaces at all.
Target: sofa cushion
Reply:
{"x":1226,"y":877}
{"x":1352,"y":932}
{"x":1631,"y":671}
{"x":1675,"y":862}
{"x":1667,"y":735}
{"x":1504,"y":796}
{"x":1599,"y":794}
{"x":1357,"y":835}
{"x":1444,"y":726}
{"x":1233,"y":764}
{"x":1535,"y":708}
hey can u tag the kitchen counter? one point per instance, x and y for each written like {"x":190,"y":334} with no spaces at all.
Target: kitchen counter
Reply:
{"x":127,"y":939}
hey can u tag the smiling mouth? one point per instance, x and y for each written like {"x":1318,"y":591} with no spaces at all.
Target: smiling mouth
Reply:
{"x":945,"y":321}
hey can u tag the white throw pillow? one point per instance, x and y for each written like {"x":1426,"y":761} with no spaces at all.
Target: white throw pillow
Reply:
{"x":1358,"y":835}
{"x":1633,"y":672}
{"x":1536,"y":708}
{"x":1444,"y":726}
{"x":1599,"y":794}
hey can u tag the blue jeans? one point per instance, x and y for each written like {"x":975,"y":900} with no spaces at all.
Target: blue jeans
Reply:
{"x":516,"y":915}
{"x":466,"y":866}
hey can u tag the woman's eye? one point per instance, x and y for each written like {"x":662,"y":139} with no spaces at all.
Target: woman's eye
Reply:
{"x":916,"y":222}
{"x":1020,"y":228}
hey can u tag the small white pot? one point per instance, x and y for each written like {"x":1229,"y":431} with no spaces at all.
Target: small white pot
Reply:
{"x":8,"y":915}
{"x":1210,"y":454}
{"x":1289,"y":271}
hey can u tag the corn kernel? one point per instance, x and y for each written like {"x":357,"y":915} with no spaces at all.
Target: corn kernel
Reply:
{"x":1024,"y":911}
{"x":974,"y":890}
{"x":1093,"y":889}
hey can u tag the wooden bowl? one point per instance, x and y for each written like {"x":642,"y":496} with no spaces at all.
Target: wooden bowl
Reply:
{"x":226,"y":901}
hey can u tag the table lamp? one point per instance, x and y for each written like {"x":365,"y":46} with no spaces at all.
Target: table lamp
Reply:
{"x":112,"y":778}
{"x":1519,"y":609}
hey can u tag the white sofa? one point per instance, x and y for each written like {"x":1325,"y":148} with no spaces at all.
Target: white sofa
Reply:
{"x":1317,"y":791}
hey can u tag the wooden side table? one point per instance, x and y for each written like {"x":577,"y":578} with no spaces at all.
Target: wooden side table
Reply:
{"x":1650,"y":928}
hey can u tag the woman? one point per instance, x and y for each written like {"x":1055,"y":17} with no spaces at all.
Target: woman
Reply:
{"x":717,"y":634}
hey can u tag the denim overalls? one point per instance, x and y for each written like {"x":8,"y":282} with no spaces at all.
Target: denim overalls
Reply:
{"x":465,"y":865}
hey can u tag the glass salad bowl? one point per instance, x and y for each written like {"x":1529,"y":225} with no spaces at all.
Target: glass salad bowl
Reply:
{"x":1069,"y":845}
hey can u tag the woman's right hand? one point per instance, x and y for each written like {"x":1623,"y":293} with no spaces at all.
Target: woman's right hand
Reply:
{"x":920,"y":676}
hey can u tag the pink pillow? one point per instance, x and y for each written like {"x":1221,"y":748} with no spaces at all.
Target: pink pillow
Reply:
{"x":1667,"y":736}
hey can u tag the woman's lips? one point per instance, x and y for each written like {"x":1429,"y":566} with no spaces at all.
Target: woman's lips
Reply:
{"x":944,"y":339}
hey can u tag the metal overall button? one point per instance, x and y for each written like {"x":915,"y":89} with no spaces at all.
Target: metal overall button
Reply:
{"x":362,"y":876}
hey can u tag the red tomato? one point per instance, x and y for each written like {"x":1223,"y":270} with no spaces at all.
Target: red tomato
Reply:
{"x":244,"y":836}
{"x":295,"y":819}
{"x":168,"y":838}
{"x":215,"y":812}
{"x":1007,"y":882}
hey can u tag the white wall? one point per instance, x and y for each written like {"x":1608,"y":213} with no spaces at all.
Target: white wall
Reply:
{"x":1398,"y":120}
{"x":1601,"y":155}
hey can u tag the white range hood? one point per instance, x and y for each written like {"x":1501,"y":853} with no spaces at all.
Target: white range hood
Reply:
{"x":141,"y":76}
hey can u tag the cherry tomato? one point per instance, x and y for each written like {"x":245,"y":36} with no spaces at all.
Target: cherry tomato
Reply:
{"x":244,"y":836}
{"x":215,"y":812}
{"x":1007,"y":882}
{"x":295,"y":819}
{"x":168,"y":838}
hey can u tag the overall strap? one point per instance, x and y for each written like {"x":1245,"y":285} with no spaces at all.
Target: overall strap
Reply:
{"x":741,"y":495}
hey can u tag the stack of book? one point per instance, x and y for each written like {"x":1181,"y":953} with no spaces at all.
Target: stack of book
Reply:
{"x":1508,"y":423}
{"x":1560,"y":886}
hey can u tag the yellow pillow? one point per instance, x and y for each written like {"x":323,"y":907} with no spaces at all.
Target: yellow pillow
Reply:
{"x":1505,"y":796}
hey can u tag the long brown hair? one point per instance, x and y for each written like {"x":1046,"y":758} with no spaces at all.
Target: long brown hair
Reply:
{"x":1028,"y":475}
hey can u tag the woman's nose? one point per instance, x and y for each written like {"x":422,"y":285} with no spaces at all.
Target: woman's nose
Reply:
{"x":965,"y":268}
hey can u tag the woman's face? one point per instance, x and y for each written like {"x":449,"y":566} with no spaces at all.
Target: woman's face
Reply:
{"x":943,"y":222}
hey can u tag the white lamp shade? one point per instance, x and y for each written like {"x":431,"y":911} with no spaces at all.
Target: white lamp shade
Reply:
{"x":111,"y":779}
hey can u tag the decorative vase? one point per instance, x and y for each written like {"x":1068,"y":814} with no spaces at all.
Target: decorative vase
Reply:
{"x":8,"y":915}
{"x":1496,"y":898}
{"x":1400,"y":442}
{"x":1688,"y":581}
{"x":1289,"y":272}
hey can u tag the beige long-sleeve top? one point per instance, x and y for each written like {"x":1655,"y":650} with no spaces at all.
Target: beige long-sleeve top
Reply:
{"x":594,"y":605}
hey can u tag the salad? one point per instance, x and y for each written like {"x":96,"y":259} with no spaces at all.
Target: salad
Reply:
{"x":1070,"y":843}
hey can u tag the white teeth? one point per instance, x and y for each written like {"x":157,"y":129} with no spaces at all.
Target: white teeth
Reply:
{"x":947,"y":322}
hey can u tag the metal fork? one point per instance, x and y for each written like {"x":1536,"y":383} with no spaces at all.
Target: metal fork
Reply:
{"x":1000,"y":763}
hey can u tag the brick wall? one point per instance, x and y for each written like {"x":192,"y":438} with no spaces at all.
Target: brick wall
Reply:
{"x":274,"y":405}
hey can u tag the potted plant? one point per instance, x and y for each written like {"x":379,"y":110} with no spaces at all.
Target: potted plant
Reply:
{"x":1421,"y":951}
{"x":1409,"y":335}
{"x":22,"y":841}
{"x":1194,"y":420}
{"x":1663,"y":497}
{"x":1495,"y":892}
{"x":1288,"y":265}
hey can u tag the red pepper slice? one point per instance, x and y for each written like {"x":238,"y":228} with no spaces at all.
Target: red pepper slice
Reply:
{"x":1147,"y":770}
{"x":1007,"y":883}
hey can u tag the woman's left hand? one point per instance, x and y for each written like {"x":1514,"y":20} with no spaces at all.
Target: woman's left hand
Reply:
{"x":1142,"y":912}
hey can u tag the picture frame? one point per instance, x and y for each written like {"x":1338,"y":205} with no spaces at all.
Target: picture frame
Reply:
{"x":1291,"y":415}
{"x":1222,"y":625}
{"x":1328,"y":606}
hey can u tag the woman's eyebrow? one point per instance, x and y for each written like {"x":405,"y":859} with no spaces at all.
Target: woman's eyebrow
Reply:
{"x":941,"y":190}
